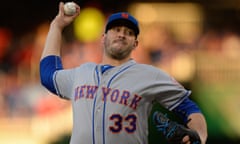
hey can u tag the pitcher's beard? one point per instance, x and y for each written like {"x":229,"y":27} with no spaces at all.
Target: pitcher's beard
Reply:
{"x":119,"y":54}
{"x":117,"y":49}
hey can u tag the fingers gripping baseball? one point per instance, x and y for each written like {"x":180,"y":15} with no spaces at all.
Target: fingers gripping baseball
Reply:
{"x":69,"y":8}
{"x":173,"y":132}
{"x":67,"y":15}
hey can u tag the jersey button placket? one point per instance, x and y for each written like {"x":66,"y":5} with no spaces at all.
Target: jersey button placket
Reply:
{"x":98,"y":125}
{"x":98,"y":116}
{"x":99,"y":110}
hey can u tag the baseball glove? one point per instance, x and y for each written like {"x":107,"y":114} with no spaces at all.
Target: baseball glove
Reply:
{"x":172,"y":131}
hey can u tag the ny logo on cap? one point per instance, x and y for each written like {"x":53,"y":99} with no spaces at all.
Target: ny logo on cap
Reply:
{"x":125,"y":15}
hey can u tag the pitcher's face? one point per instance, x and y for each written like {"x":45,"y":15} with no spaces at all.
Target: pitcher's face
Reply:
{"x":119,"y":42}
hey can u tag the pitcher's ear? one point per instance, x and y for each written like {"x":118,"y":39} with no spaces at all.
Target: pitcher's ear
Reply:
{"x":136,"y":43}
{"x":103,"y":37}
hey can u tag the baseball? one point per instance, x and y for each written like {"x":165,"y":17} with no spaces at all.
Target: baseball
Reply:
{"x":70,"y":8}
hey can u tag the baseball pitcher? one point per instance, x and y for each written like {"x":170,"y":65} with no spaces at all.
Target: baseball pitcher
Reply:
{"x":112,"y":100}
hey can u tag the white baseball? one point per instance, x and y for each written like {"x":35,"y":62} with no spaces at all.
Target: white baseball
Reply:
{"x":70,"y":8}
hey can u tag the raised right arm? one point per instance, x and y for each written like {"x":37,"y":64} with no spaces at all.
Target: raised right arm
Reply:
{"x":50,"y":59}
{"x":54,"y":37}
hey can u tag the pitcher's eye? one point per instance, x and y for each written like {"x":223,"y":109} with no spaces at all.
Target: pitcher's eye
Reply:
{"x":130,"y":32}
{"x":116,"y":29}
{"x":127,"y":31}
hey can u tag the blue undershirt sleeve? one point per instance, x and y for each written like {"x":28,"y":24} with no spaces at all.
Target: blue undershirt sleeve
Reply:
{"x":186,"y":108}
{"x":48,"y":66}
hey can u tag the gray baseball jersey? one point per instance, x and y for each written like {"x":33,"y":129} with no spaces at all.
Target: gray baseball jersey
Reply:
{"x":114,"y":106}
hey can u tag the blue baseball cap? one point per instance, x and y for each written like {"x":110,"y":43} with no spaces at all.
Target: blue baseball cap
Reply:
{"x":122,"y":19}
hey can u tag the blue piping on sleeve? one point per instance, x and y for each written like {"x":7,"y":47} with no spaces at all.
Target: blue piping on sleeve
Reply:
{"x":184,"y":109}
{"x":48,"y":66}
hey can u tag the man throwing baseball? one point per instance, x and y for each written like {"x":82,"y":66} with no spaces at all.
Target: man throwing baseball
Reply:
{"x":112,"y":101}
